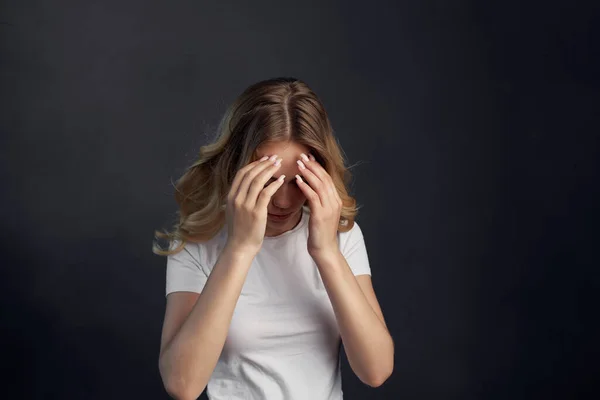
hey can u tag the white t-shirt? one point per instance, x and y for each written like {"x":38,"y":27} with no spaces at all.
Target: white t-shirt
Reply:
{"x":283,"y":342}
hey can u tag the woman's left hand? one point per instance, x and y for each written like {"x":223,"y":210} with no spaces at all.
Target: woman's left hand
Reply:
{"x":325,"y":207}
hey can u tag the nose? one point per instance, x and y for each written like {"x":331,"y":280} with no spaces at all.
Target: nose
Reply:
{"x":281,"y":198}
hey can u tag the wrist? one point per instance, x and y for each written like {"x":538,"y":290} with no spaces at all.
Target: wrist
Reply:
{"x":239,"y":252}
{"x":325,"y":255}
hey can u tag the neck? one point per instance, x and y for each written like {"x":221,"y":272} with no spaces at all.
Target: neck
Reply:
{"x":270,"y":232}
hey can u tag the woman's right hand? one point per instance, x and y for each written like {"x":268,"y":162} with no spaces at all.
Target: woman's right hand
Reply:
{"x":247,"y":201}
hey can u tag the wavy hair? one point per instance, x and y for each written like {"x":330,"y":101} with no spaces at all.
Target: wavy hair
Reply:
{"x":273,"y":110}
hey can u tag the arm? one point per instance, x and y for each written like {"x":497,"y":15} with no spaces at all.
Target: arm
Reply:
{"x":367,"y":342}
{"x":196,"y":326}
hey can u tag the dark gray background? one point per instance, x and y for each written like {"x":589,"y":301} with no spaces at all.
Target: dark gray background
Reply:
{"x":473,"y":127}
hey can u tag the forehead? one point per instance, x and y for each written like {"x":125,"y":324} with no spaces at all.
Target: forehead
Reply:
{"x":282,"y":149}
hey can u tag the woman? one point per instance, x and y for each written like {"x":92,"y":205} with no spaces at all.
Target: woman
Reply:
{"x":267,"y":272}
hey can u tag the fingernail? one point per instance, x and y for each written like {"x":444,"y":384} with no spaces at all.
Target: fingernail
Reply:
{"x":299,"y":178}
{"x":301,"y":164}
{"x":303,"y":156}
{"x":311,"y":157}
{"x":278,"y":162}
{"x":273,"y":157}
{"x":264,"y":158}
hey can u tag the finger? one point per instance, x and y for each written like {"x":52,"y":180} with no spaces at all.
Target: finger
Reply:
{"x":309,"y":193}
{"x":315,"y":183}
{"x":265,"y":195}
{"x":240,"y":175}
{"x":323,"y":175}
{"x":315,"y":168}
{"x":242,"y":193}
{"x":259,"y":182}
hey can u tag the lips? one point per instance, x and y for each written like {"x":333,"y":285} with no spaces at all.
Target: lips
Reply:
{"x":279,"y":217}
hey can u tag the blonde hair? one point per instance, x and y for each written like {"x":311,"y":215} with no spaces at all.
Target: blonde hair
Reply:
{"x":274,"y":110}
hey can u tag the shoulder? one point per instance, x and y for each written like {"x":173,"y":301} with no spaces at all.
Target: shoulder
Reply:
{"x":352,"y":232}
{"x":353,"y":248}
{"x":189,"y":253}
{"x":350,"y":238}
{"x":200,"y":253}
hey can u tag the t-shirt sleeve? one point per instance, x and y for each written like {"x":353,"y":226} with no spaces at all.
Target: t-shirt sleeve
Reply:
{"x":184,"y":270}
{"x":355,"y":250}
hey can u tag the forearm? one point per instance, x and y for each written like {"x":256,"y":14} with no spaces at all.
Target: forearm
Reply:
{"x":191,"y":356}
{"x":367,"y":342}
